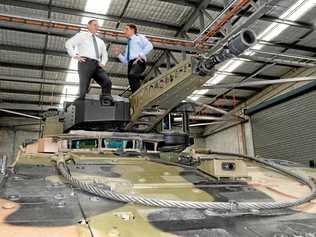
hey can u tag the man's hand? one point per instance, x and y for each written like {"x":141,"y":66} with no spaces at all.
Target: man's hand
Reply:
{"x":102,"y":65}
{"x":116,"y":51}
{"x":79,"y":58}
{"x":138,"y":59}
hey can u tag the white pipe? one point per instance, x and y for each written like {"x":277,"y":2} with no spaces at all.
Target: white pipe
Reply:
{"x":21,"y":114}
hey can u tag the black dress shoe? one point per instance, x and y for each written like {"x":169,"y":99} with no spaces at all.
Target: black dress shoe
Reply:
{"x":106,"y":100}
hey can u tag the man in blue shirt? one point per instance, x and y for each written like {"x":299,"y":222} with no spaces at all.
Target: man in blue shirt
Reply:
{"x":138,"y":46}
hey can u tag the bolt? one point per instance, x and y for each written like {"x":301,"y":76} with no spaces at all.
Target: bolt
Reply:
{"x":142,"y":180}
{"x":95,"y":199}
{"x":8,"y":205}
{"x":59,"y":196}
{"x":61,"y":204}
{"x":114,"y":232}
{"x":13,"y":197}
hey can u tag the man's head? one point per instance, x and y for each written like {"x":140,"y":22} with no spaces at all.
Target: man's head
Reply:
{"x":93,"y":26}
{"x":130,"y":30}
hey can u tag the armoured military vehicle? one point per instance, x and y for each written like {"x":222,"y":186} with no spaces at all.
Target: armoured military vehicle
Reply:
{"x":130,"y":181}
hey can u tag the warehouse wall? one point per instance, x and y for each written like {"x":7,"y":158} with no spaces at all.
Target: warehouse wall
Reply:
{"x":11,"y":140}
{"x":239,"y":138}
{"x":236,"y":139}
{"x":199,"y":142}
{"x":13,"y":132}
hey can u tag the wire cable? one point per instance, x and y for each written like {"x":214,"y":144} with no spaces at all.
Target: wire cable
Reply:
{"x":214,"y":206}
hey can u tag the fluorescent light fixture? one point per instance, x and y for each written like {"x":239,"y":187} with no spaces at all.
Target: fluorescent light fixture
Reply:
{"x":194,"y":97}
{"x":95,"y":6}
{"x":197,"y":94}
{"x":200,"y":92}
{"x":296,"y":11}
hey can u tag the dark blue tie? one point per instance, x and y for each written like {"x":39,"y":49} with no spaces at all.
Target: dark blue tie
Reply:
{"x":128,"y":49}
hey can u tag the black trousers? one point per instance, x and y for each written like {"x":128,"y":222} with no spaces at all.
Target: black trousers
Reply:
{"x":88,"y":70}
{"x":135,"y":73}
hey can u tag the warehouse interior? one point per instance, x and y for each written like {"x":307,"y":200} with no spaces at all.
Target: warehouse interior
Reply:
{"x":35,"y":65}
{"x":261,"y":103}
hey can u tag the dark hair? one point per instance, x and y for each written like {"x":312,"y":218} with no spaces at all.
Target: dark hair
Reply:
{"x":134,"y":27}
{"x":89,"y":22}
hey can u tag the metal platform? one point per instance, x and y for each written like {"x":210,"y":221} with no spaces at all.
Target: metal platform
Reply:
{"x":89,"y":114}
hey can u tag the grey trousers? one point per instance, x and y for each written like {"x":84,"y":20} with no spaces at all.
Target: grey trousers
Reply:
{"x":88,"y":70}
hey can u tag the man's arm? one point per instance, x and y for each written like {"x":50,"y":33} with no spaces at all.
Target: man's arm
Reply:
{"x":123,"y":58}
{"x":71,"y":45}
{"x":146,"y":45}
{"x":105,"y":56}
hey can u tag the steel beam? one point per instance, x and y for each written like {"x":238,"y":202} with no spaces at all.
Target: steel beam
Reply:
{"x":241,"y":74}
{"x":182,"y":32}
{"x":114,"y":40}
{"x":206,"y":124}
{"x":52,"y":82}
{"x":261,"y":82}
{"x":61,"y":28}
{"x":25,"y":107}
{"x":216,"y":25}
{"x":264,"y":7}
{"x":26,"y":93}
{"x":20,"y":114}
{"x":284,"y":59}
{"x":105,"y":17}
{"x":232,"y":8}
{"x":52,"y":69}
{"x":209,"y":107}
{"x":159,"y":42}
{"x":202,"y":117}
{"x":48,"y":52}
{"x":267,"y":63}
{"x":243,"y":13}
{"x":45,"y":48}
{"x":288,"y":46}
{"x":227,"y":97}
{"x":197,"y":12}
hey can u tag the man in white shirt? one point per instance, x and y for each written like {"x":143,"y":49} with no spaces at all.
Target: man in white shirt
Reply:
{"x":138,"y":46}
{"x":91,"y":53}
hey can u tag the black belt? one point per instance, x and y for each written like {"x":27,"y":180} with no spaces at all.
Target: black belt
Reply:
{"x":90,"y":59}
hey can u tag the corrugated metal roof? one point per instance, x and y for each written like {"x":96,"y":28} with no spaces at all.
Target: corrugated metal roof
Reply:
{"x":158,"y":11}
{"x":75,"y":4}
{"x":172,"y":15}
{"x":19,"y":86}
{"x":11,"y":37}
{"x":19,"y":72}
{"x":21,"y":57}
{"x":116,"y":7}
{"x":21,"y":11}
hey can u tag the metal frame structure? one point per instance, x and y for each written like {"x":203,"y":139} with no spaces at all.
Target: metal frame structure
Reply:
{"x":251,"y":9}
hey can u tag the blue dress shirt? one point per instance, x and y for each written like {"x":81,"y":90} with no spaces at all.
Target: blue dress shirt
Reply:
{"x":138,"y":46}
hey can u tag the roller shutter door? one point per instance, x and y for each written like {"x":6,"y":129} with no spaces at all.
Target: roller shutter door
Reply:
{"x":288,"y":130}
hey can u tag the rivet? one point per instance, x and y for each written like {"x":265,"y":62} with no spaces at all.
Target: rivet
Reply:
{"x":209,"y":212}
{"x":61,"y":204}
{"x":17,"y":178}
{"x":114,"y":232}
{"x":13,"y":197}
{"x":95,"y":199}
{"x":59,"y":196}
{"x":8,"y":205}
{"x":195,"y":190}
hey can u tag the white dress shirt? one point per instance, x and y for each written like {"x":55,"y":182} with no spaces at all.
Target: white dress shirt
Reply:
{"x":82,"y":44}
{"x":140,"y":46}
